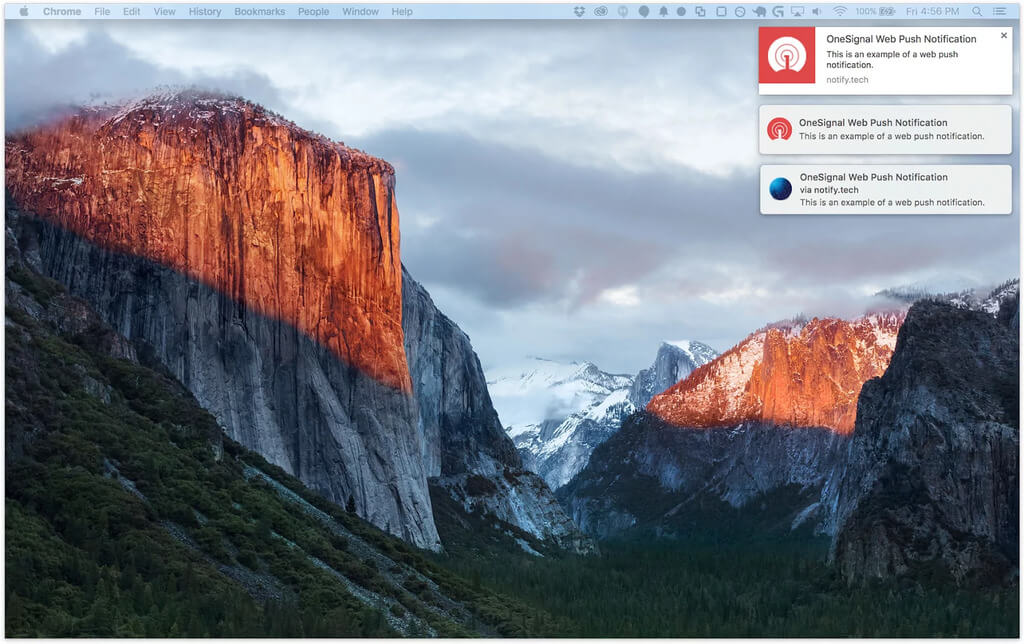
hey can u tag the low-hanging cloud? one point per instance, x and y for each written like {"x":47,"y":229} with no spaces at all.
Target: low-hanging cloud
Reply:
{"x":41,"y":84}
{"x":513,"y":226}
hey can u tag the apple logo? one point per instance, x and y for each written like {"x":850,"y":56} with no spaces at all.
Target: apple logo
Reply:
{"x":23,"y":11}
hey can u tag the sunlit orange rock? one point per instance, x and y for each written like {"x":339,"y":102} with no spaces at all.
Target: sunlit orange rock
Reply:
{"x":805,"y":374}
{"x":286,"y":222}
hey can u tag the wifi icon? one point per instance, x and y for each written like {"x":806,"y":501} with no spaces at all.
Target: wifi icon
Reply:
{"x":840,"y":10}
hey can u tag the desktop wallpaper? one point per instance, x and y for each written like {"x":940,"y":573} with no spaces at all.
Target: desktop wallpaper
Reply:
{"x":473,"y":328}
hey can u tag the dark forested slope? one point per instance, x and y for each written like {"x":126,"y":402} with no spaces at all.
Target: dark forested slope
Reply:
{"x":129,"y":513}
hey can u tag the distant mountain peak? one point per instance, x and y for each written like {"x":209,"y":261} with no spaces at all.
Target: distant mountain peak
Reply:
{"x":698,"y":352}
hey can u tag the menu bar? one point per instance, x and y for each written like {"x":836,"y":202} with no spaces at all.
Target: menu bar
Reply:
{"x":534,"y":11}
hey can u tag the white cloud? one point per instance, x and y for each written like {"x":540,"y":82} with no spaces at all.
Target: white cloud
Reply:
{"x":624,"y":296}
{"x":57,"y":35}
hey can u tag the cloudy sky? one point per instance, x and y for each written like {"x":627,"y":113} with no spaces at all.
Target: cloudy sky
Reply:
{"x":572,"y":190}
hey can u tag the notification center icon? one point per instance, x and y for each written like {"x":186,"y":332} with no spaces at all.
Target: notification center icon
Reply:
{"x":786,"y":55}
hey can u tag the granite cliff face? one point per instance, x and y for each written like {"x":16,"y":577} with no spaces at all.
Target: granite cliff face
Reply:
{"x":288,"y":224}
{"x":466,"y":450}
{"x":259,"y":263}
{"x":800,"y":374}
{"x":456,"y":418}
{"x":931,"y":478}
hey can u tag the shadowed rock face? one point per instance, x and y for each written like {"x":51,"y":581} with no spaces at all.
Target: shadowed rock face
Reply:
{"x":465,"y":446}
{"x":800,"y":375}
{"x":931,"y":478}
{"x":456,"y":417}
{"x":655,"y":477}
{"x":270,"y":386}
{"x":284,"y":222}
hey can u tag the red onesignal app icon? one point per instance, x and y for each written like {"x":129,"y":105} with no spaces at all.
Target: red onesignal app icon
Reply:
{"x":786,"y":55}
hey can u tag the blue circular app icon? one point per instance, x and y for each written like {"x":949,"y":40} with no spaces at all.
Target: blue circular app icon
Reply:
{"x":780,"y":188}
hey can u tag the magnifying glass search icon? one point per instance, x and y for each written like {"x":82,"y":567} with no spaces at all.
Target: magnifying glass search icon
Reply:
{"x":976,"y":11}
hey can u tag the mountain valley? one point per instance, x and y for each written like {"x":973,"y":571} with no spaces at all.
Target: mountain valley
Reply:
{"x":558,"y":413}
{"x":232,"y":411}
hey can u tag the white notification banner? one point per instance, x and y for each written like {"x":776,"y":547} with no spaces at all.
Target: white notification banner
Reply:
{"x":886,"y":189}
{"x":888,"y":61}
{"x":886,"y":129}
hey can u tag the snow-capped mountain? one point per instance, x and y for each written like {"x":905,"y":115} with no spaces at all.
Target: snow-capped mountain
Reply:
{"x":551,"y":411}
{"x":992,"y":302}
{"x":539,"y":389}
{"x":557,"y":413}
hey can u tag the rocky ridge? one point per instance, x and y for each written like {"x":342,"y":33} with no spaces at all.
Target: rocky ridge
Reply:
{"x":987,"y":299}
{"x":930,"y":480}
{"x":925,"y":484}
{"x":800,"y":373}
